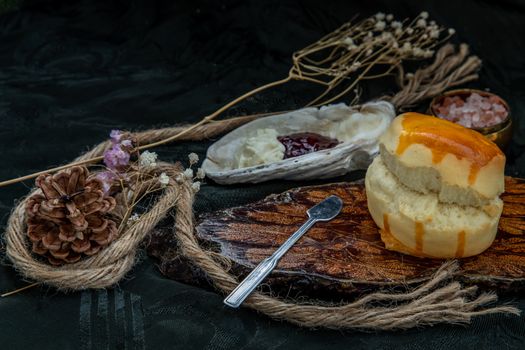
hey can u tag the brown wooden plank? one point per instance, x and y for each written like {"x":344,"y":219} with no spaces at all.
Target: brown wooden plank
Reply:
{"x":347,"y":252}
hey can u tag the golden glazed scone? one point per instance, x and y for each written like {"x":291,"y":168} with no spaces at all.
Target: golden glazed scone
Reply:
{"x":420,"y":224}
{"x":434,"y":189}
{"x":429,"y":154}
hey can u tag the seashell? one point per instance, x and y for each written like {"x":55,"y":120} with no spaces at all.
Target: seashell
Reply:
{"x":357,"y":127}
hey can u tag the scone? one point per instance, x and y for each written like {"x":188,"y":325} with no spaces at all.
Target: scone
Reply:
{"x":434,"y":190}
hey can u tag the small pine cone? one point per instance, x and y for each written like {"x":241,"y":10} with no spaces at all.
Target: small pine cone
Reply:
{"x":70,"y":218}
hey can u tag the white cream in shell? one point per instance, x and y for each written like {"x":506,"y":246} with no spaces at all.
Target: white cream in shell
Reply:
{"x":252,"y":153}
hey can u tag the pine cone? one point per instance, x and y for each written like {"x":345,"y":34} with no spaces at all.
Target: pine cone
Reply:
{"x":69,"y":219}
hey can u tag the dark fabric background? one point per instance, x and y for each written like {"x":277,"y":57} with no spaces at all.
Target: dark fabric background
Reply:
{"x":69,"y":73}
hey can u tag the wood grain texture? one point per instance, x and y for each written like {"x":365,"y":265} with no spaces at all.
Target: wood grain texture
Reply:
{"x":347,"y":252}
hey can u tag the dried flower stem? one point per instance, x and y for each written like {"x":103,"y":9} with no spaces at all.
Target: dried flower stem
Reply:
{"x":346,"y":55}
{"x":450,"y":68}
{"x":20,"y":289}
{"x":216,"y":113}
{"x":52,"y":170}
{"x":97,"y":159}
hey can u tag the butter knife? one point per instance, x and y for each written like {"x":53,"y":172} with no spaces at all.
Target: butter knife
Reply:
{"x":326,"y":210}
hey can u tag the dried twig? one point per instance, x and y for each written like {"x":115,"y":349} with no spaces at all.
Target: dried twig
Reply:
{"x":19,"y":289}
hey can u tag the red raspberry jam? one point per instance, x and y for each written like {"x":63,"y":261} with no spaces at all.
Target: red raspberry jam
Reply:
{"x":305,"y":142}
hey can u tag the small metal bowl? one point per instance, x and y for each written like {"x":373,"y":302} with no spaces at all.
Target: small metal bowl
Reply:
{"x":500,"y":133}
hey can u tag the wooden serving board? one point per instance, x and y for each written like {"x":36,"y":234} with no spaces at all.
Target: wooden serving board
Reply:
{"x":347,"y":252}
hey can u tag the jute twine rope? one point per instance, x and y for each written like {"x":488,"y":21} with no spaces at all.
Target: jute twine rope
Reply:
{"x":112,"y":264}
{"x":440,"y":300}
{"x":109,"y":267}
{"x":99,"y":271}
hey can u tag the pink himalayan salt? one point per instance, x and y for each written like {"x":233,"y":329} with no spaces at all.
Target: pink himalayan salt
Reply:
{"x":475,"y":112}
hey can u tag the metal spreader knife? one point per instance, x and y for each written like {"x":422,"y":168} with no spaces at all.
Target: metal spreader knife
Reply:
{"x":324,"y":211}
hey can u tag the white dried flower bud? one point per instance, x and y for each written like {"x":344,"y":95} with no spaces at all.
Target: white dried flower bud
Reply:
{"x":389,"y":17}
{"x":418,"y":52}
{"x":396,"y":24}
{"x":451,"y":31}
{"x":348,"y":41}
{"x":424,"y":36}
{"x":133,"y":218}
{"x":421,"y":23}
{"x":180,"y":178}
{"x":407,"y":46}
{"x":410,"y":30}
{"x":395,"y":45}
{"x":432,"y":23}
{"x":164,"y":180}
{"x":369,"y":34}
{"x":147,"y":159}
{"x":188,"y":173}
{"x":379,"y":16}
{"x":434,"y":34}
{"x":369,"y":52}
{"x":193,"y":157}
{"x":356,"y":65}
{"x":424,"y":14}
{"x":429,"y":53}
{"x":380,"y":25}
{"x":398,"y":31}
{"x":387,"y":36}
{"x":200,"y":174}
{"x":196,"y":186}
{"x":409,"y":75}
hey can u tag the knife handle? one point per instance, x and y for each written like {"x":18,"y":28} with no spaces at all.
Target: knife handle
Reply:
{"x":251,"y":282}
{"x":264,"y":268}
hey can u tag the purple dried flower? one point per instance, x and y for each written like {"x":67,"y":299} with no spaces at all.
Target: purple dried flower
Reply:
{"x":126,"y":143}
{"x":107,"y":178}
{"x":116,"y":157}
{"x":115,"y":136}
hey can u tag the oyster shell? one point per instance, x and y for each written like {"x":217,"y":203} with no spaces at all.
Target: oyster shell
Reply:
{"x":358,"y":129}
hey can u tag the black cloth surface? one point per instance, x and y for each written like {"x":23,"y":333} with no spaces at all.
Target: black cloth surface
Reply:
{"x":69,"y":73}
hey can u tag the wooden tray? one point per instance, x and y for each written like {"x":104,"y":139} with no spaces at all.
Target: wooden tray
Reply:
{"x":347,"y":253}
